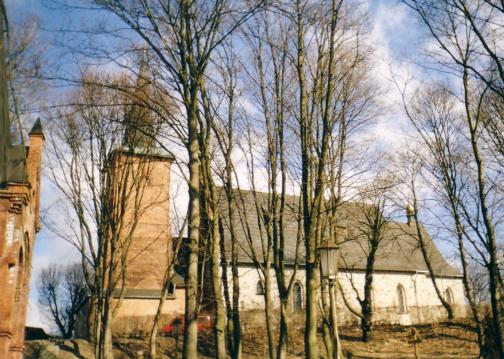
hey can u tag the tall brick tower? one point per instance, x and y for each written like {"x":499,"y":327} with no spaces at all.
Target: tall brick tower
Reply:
{"x":150,"y":248}
{"x":19,"y":218}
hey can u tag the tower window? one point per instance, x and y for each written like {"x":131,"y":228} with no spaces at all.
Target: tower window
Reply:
{"x":170,"y":291}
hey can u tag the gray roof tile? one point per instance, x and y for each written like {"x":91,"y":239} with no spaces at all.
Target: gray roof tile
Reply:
{"x":398,"y":252}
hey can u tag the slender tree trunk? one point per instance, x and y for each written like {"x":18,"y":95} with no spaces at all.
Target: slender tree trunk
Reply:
{"x":270,"y":321}
{"x":425,"y":254}
{"x":211,"y":207}
{"x":337,"y":352}
{"x":311,"y":345}
{"x":326,"y":325}
{"x":236,"y":349}
{"x":283,"y":334}
{"x":237,"y":344}
{"x":190,"y":349}
{"x":467,"y":284}
{"x":97,"y":330}
{"x":367,"y":303}
{"x":107,"y":343}
{"x":491,"y":245}
{"x":432,"y":275}
{"x":154,"y":330}
{"x":220,"y":319}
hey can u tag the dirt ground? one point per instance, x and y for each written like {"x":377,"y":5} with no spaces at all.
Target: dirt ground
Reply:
{"x":443,"y":340}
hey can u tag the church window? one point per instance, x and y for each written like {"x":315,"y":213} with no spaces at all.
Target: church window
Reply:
{"x":449,"y":296}
{"x":260,"y":288}
{"x":170,"y":291}
{"x":297,"y":297}
{"x":401,"y":300}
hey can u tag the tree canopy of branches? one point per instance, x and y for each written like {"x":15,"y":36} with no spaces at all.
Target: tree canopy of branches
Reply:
{"x":466,"y":34}
{"x":62,"y":292}
{"x":103,"y":188}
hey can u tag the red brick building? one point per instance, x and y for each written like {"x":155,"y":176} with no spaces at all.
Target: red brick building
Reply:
{"x":19,"y":220}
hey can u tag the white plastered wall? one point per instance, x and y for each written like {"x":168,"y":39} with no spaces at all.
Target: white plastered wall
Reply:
{"x":422,"y":302}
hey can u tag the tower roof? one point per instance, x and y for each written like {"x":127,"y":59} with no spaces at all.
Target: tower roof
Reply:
{"x":37,"y":128}
{"x":139,"y":126}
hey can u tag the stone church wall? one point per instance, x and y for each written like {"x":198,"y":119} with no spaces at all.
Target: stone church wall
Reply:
{"x":422,"y":303}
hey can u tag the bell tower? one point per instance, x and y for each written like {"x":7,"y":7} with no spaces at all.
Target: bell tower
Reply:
{"x":150,"y":245}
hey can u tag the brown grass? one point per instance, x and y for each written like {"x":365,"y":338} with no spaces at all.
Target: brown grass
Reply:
{"x":443,"y":340}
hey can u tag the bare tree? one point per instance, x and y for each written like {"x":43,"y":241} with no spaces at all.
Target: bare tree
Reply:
{"x":183,"y":35}
{"x":62,"y":292}
{"x":313,"y":183}
{"x":440,"y":133}
{"x":412,"y":167}
{"x":168,"y":276}
{"x":468,"y":48}
{"x":25,"y":60}
{"x":102,"y":184}
{"x":371,"y":233}
{"x":482,"y":21}
{"x":268,"y":38}
{"x":225,"y":132}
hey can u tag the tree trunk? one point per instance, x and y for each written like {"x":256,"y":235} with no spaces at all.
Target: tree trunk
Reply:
{"x":467,"y":286}
{"x":283,"y":335}
{"x":326,"y":325}
{"x":157,"y":317}
{"x":337,"y":352}
{"x":190,"y":349}
{"x":237,"y":344}
{"x":269,"y":312}
{"x":220,"y":319}
{"x":423,"y":249}
{"x":491,"y":245}
{"x":107,"y":343}
{"x":311,"y":342}
{"x":367,"y":303}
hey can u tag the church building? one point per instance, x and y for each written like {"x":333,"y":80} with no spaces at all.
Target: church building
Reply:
{"x":402,"y":292}
{"x":402,"y":289}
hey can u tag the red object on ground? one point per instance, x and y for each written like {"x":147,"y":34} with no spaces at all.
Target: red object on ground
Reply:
{"x":177,"y":325}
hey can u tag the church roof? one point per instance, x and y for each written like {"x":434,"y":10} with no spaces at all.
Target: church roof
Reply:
{"x":398,"y":251}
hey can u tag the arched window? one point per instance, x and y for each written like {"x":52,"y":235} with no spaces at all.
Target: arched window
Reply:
{"x":297,"y":297}
{"x":449,"y":296}
{"x":401,"y":300}
{"x":260,"y":288}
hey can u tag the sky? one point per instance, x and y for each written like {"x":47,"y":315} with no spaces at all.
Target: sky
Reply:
{"x":394,"y":33}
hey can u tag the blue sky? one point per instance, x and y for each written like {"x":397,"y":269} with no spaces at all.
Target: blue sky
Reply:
{"x":393,"y":30}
